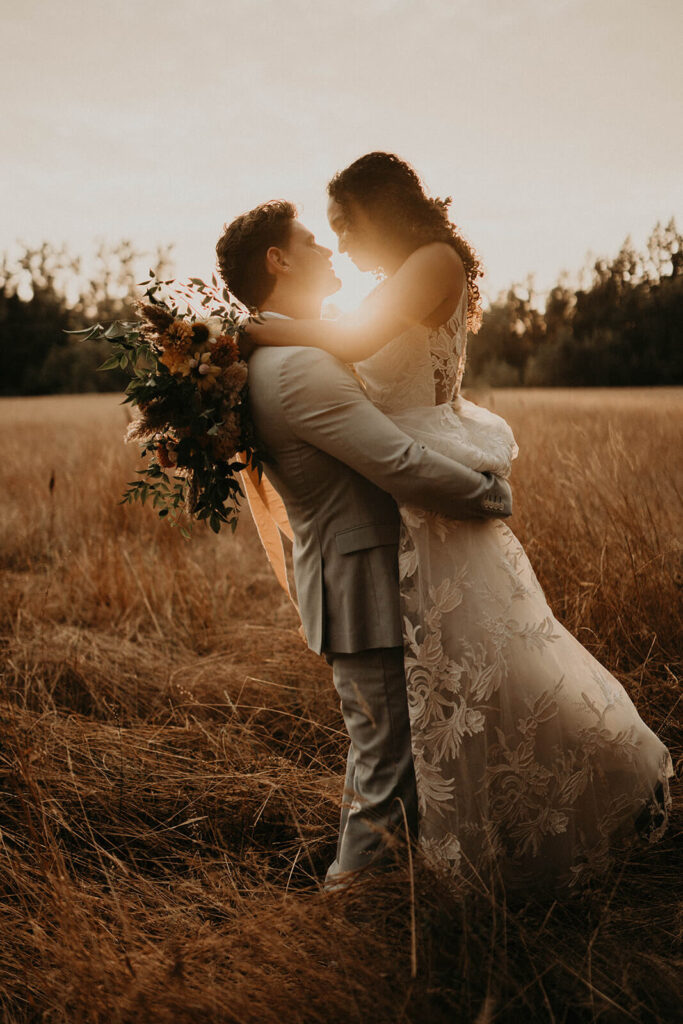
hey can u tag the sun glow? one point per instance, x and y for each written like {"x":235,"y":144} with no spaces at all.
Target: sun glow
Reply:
{"x":355,"y":285}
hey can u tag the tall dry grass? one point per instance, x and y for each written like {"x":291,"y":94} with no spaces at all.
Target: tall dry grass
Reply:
{"x":171,"y":755}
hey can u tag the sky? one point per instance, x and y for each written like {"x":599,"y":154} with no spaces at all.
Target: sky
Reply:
{"x":555,"y":125}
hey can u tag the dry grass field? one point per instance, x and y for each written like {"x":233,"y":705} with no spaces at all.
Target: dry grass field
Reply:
{"x":171,"y":755}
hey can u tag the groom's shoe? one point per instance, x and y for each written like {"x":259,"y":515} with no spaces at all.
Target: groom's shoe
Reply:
{"x":387,"y":860}
{"x":342,"y":881}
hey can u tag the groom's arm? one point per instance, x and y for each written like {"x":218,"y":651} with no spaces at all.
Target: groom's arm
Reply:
{"x":326,"y":407}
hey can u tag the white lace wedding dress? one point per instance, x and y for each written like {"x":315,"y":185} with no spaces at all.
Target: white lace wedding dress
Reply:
{"x":531,"y":760}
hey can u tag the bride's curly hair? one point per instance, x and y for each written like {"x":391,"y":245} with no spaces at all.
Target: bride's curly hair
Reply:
{"x":391,"y":192}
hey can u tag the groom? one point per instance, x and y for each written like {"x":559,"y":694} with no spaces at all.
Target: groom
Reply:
{"x":340,"y":465}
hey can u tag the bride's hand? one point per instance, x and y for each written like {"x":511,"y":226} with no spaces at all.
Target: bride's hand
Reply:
{"x":246,"y":346}
{"x":257,"y":333}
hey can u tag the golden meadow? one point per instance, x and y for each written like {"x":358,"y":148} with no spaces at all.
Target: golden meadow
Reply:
{"x":171,"y":755}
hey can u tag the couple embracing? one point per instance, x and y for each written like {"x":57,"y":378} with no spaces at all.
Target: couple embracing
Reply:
{"x":479,"y":727}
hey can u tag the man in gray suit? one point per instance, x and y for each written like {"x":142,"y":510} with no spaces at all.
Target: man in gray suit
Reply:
{"x":340,"y":466}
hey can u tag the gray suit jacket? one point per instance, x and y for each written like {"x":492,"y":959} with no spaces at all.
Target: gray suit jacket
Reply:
{"x":339,"y":463}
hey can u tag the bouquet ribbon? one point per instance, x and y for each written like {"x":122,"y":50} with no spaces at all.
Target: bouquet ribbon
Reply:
{"x":270,"y":518}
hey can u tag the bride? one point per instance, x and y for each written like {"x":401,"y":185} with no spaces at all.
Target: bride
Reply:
{"x":531,"y":761}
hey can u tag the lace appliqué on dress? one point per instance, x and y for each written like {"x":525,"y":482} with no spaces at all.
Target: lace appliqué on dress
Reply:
{"x":531,"y":760}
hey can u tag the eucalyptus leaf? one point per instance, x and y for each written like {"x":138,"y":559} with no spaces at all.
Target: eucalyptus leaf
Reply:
{"x":115,"y":330}
{"x":109,"y":364}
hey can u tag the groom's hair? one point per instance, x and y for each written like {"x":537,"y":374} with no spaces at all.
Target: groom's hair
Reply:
{"x":241,"y":249}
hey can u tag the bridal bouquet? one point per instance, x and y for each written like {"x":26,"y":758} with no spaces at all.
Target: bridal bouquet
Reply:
{"x":189,"y":384}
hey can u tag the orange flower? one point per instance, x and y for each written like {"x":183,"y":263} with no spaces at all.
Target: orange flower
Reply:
{"x":208,"y":376}
{"x":165,"y":457}
{"x":228,"y":347}
{"x":235,"y":376}
{"x":178,"y":363}
{"x":227,"y":441}
{"x":179,"y":336}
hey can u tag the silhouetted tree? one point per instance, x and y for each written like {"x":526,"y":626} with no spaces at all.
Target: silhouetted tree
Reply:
{"x":43,"y":294}
{"x":512,"y":332}
{"x":625,"y":328}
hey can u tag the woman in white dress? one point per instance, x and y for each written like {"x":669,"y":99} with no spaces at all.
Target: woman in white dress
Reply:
{"x":531,"y":761}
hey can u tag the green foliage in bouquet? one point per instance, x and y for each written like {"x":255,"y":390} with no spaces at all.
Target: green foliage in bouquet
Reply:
{"x":189,"y":383}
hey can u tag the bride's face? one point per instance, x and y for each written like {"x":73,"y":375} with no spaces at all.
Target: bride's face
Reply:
{"x":356,"y":233}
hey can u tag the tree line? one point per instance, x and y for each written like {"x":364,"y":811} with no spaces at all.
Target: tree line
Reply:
{"x":46,"y":292}
{"x":622,"y":328}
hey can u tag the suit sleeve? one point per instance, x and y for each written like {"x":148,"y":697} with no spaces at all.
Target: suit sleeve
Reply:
{"x":326,"y":407}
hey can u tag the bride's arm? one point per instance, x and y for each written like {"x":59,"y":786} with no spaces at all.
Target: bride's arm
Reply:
{"x":422,"y":283}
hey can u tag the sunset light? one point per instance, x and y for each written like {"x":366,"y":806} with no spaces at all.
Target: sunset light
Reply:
{"x":155,"y":123}
{"x":341,"y":534}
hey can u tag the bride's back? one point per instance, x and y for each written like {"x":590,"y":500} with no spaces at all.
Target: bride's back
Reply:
{"x":423,"y":366}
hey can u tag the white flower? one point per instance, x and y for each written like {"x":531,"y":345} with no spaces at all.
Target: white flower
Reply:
{"x":214,"y":325}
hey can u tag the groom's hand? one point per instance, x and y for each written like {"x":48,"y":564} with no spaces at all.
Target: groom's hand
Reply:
{"x":497,"y":503}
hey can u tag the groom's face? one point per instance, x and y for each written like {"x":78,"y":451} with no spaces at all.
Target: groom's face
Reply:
{"x":309,"y":263}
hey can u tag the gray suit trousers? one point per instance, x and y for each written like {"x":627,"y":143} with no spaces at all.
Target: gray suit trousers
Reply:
{"x":379,"y":768}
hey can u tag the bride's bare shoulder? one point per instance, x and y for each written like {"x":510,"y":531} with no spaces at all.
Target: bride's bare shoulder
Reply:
{"x":436,"y":258}
{"x":439,"y":263}
{"x":441,"y":251}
